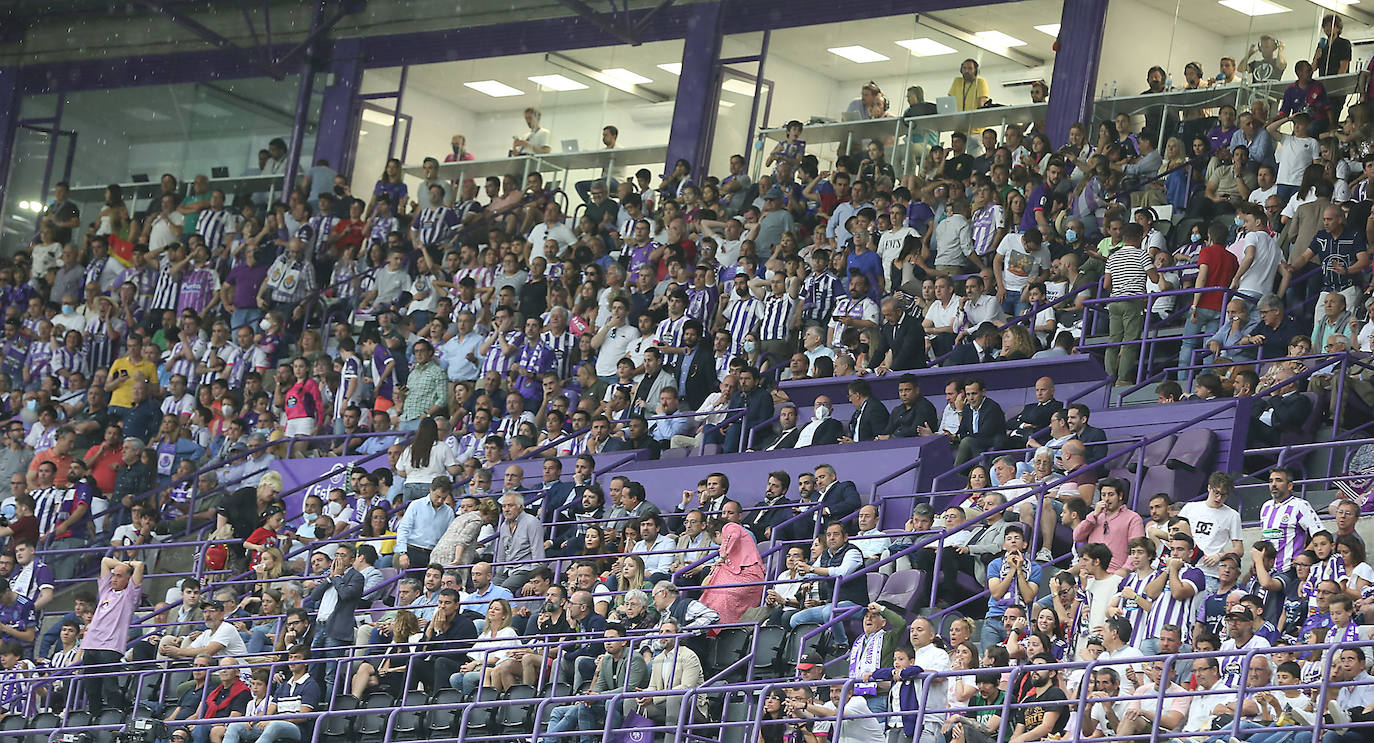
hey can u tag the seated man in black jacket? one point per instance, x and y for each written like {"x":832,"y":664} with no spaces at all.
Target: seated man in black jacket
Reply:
{"x":1036,"y":416}
{"x":1284,"y":412}
{"x":904,"y":420}
{"x":982,"y":424}
{"x":870,"y":417}
{"x":901,"y":338}
{"x":635,"y":435}
{"x":1093,"y":438}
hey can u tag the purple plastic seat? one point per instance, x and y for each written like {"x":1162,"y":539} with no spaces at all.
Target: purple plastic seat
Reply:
{"x":1185,"y":470}
{"x":903,"y":588}
{"x":679,"y":453}
{"x":875,"y":584}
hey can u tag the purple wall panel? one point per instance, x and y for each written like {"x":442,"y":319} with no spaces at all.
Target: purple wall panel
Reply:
{"x":1075,"y":66}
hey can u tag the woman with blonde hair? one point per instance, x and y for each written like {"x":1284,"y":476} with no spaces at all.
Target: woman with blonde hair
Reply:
{"x":492,"y":647}
{"x":388,"y":674}
{"x":1155,"y":193}
{"x":1017,"y":344}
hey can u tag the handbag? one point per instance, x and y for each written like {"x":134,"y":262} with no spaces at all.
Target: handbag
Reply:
{"x":634,"y":729}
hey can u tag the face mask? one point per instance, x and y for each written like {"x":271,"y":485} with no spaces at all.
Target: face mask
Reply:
{"x":31,"y":405}
{"x":457,"y":149}
{"x":1239,"y":222}
{"x":1195,"y":238}
{"x":1070,"y":235}
{"x":265,"y":325}
{"x":821,"y":413}
{"x":748,"y":346}
{"x":262,"y":431}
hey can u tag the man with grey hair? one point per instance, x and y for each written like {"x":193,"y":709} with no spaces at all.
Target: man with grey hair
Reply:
{"x":519,"y":541}
{"x":133,"y":477}
{"x":1272,"y":332}
{"x":246,"y":472}
{"x":677,"y":667}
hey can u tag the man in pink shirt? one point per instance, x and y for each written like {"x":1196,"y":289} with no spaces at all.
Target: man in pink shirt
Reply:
{"x":1111,"y":523}
{"x":119,"y":591}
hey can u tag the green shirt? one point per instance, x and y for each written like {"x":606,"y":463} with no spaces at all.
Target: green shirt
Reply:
{"x":426,"y":388}
{"x":189,"y":226}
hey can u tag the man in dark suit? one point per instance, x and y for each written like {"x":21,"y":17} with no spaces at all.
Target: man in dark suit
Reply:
{"x":336,"y":600}
{"x":1284,"y":412}
{"x":901,"y":339}
{"x":981,"y":350}
{"x":758,"y":406}
{"x":554,"y":495}
{"x":821,"y":429}
{"x":839,"y":500}
{"x":696,"y":371}
{"x":635,"y":435}
{"x":870,"y":417}
{"x":773,"y":509}
{"x":645,"y":397}
{"x":1035,"y":416}
{"x":905,"y":420}
{"x":788,"y":430}
{"x":982,"y":424}
{"x":1092,"y":437}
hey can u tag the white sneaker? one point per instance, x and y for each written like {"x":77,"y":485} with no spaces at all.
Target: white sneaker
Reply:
{"x":1234,"y":739}
{"x":1338,"y":715}
{"x":1044,"y":555}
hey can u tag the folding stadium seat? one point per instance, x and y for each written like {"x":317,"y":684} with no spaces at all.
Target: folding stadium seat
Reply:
{"x":372,"y":726}
{"x":729,"y":646}
{"x":482,"y":719}
{"x":77,"y":718}
{"x":796,"y":645}
{"x":679,"y":453}
{"x":11,"y":723}
{"x":443,"y":722}
{"x":903,"y":589}
{"x":768,"y":649}
{"x":875,"y":583}
{"x":108,"y":717}
{"x":518,"y":718}
{"x":739,"y":706}
{"x":408,"y":723}
{"x":1185,"y":471}
{"x":1156,"y":453}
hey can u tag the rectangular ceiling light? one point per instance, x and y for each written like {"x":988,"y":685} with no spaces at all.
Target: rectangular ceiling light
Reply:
{"x":925,"y":47}
{"x":556,"y":82}
{"x":1254,"y":7}
{"x":625,"y":76}
{"x":1340,"y":6}
{"x":1049,"y":29}
{"x":859,"y":55}
{"x":674,"y":68}
{"x":998,"y":39}
{"x":738,"y":86}
{"x":494,"y":88}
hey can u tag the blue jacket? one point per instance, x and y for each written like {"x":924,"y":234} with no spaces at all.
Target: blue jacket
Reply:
{"x":907,"y":694}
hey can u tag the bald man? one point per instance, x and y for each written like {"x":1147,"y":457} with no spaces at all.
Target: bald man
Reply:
{"x":1035,"y":416}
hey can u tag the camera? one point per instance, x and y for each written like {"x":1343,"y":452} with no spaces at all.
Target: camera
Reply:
{"x":4,"y":521}
{"x":74,"y":738}
{"x":142,"y":730}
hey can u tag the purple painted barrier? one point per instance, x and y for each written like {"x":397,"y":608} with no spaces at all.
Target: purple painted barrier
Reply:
{"x":1229,"y":423}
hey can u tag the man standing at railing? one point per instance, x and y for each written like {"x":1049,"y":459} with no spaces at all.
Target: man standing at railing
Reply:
{"x":1127,"y":269}
{"x":119,"y":590}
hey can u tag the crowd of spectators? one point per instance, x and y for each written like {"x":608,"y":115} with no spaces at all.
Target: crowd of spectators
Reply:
{"x":159,"y":359}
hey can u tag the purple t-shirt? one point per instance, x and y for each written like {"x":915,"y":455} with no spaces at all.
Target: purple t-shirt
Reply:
{"x":20,"y":615}
{"x":246,"y":280}
{"x":1039,"y":199}
{"x":380,"y":357}
{"x":109,"y":628}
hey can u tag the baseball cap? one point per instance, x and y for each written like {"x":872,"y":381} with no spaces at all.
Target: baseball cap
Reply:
{"x":773,"y":193}
{"x":809,"y":660}
{"x":1240,"y":612}
{"x":212,"y":604}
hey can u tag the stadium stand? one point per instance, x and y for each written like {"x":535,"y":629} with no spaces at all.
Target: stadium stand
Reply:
{"x":665,"y":458}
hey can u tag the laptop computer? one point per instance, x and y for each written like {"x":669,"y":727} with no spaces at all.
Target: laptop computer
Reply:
{"x":219,"y":172}
{"x":570,"y":145}
{"x":946,"y":104}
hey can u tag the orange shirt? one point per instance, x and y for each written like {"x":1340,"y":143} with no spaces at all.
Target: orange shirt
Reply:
{"x":63,"y":464}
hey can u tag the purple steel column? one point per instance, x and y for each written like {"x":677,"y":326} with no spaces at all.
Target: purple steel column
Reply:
{"x":334,"y":135}
{"x":695,"y":105}
{"x":304,"y":89}
{"x":9,"y":120}
{"x":1075,"y":66}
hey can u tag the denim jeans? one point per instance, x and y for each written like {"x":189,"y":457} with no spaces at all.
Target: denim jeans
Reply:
{"x":245,"y":316}
{"x":276,"y":730}
{"x":1207,"y":322}
{"x":821,"y":615}
{"x":585,"y":717}
{"x":993,"y":632}
{"x":327,"y":650}
{"x":1012,"y":305}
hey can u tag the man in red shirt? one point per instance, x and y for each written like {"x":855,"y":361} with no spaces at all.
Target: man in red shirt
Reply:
{"x":1216,"y":267}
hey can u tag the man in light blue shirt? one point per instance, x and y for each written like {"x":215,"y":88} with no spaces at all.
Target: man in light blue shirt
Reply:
{"x":458,"y":355}
{"x":424,"y":522}
{"x":664,"y":429}
{"x":484,"y":591}
{"x":654,"y":548}
{"x":381,"y":422}
{"x":1256,"y":139}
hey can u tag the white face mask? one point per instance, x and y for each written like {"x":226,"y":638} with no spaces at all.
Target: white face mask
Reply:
{"x":821,"y":413}
{"x":265,"y":324}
